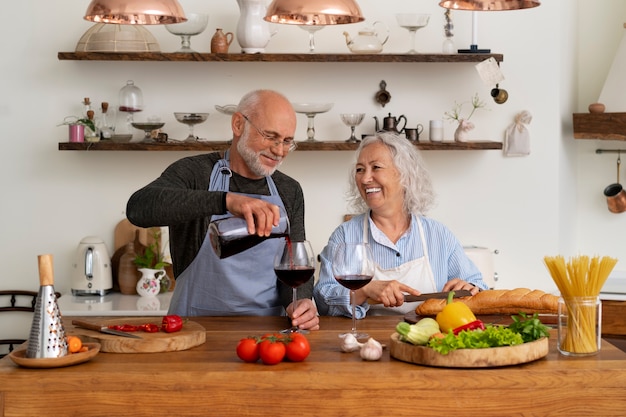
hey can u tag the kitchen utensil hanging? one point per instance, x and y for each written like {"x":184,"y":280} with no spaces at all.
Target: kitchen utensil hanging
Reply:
{"x":615,"y":194}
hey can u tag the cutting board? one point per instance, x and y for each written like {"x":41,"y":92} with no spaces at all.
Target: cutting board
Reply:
{"x":469,"y":358}
{"x":192,"y":334}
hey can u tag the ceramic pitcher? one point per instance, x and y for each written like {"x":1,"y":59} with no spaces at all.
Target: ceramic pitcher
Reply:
{"x":253,"y":33}
{"x":221,"y":41}
{"x":149,"y":284}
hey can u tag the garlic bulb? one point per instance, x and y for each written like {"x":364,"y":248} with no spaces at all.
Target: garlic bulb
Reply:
{"x":372,"y":350}
{"x":350,"y":344}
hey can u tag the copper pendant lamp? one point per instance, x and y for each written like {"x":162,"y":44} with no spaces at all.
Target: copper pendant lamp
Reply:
{"x":314,"y":12}
{"x":489,"y":5}
{"x":135,"y":12}
{"x":485,"y":6}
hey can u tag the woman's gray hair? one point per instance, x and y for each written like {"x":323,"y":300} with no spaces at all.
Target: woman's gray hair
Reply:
{"x":419,"y":195}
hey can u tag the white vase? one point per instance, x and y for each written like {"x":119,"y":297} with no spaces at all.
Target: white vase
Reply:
{"x":149,"y":284}
{"x":462,"y":131}
{"x":253,"y":33}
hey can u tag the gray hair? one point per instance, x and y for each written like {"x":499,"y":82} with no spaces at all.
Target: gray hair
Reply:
{"x":419,"y":195}
{"x":251,"y":101}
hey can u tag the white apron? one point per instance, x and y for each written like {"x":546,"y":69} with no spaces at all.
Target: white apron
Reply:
{"x":416,"y":273}
{"x":242,"y":284}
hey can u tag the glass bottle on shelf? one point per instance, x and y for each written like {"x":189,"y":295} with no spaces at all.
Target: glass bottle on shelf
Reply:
{"x":86,"y":106}
{"x":91,"y":135}
{"x":448,"y":43}
{"x":130,"y":102}
{"x":104,"y":122}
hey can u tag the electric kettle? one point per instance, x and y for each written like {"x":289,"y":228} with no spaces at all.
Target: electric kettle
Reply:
{"x":91,"y":271}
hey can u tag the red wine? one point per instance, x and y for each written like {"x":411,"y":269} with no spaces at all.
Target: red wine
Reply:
{"x":229,"y":247}
{"x":296,"y":276}
{"x":354,"y":282}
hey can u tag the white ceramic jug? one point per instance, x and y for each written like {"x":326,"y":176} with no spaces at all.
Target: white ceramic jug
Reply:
{"x":149,"y":284}
{"x":253,"y":33}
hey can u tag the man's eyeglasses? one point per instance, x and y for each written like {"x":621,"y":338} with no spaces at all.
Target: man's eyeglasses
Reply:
{"x":288,"y":144}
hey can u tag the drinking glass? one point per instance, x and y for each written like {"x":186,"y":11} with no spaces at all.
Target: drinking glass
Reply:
{"x":353,"y":267}
{"x":311,"y":29}
{"x":294,"y":265}
{"x":352,"y":120}
{"x":412,"y":22}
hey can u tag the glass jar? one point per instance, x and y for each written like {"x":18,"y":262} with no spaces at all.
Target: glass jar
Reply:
{"x":579,"y":325}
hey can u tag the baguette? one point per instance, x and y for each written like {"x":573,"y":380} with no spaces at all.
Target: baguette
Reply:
{"x":487,"y":302}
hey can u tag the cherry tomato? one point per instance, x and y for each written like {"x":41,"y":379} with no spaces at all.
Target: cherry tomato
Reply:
{"x":248,"y":350}
{"x":297,"y":348}
{"x":272,"y":351}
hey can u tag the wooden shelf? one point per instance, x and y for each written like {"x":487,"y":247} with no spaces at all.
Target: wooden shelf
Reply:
{"x":238,"y":57}
{"x":606,"y":126}
{"x":222,"y":145}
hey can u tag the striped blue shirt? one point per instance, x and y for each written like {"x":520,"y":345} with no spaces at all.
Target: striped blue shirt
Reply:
{"x":445,"y":254}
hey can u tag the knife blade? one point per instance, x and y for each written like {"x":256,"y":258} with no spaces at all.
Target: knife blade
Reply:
{"x":412,"y":298}
{"x":422,"y":297}
{"x":103,"y":329}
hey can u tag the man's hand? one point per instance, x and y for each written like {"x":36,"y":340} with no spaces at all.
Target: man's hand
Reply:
{"x":305,"y":317}
{"x":260,"y":215}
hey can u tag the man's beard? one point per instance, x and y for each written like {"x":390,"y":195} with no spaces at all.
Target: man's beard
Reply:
{"x":253,"y":159}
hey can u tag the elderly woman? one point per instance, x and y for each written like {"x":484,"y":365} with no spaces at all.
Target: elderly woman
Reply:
{"x":414,"y":254}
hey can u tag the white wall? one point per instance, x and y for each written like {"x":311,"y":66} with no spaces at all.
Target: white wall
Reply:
{"x":548,"y":203}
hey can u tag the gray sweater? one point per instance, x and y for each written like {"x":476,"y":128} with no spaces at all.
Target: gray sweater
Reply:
{"x":179,"y":200}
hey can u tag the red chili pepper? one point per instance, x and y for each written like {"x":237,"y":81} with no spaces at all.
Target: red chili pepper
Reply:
{"x":124,"y":327}
{"x":474,"y":325}
{"x":149,"y":328}
{"x":172,"y":323}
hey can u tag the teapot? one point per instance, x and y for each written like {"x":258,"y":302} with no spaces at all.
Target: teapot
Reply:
{"x":390,"y":123}
{"x":368,"y":41}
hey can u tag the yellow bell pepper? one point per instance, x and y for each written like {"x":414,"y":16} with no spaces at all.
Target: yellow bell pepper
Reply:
{"x":455,"y":315}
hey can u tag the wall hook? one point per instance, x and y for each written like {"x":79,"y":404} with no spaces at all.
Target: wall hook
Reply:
{"x":383,"y":96}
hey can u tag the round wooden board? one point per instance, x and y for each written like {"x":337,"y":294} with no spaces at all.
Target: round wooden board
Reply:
{"x":469,"y":358}
{"x":192,"y":334}
{"x":19,"y":357}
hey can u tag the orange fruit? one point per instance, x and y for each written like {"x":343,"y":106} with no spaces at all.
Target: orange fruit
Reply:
{"x":74,"y":344}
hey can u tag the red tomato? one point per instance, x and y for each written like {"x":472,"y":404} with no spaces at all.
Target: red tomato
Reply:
{"x":297,"y":348}
{"x":271,"y":351}
{"x":248,"y":350}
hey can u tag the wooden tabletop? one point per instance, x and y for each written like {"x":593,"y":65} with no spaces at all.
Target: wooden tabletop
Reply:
{"x":210,"y":380}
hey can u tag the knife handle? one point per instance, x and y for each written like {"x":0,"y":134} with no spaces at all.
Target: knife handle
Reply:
{"x":87,"y":325}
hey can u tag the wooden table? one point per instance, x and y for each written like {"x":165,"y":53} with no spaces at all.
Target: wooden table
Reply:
{"x":210,"y":380}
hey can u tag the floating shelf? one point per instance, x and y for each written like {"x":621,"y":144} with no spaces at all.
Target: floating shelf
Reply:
{"x":606,"y":126}
{"x":223,"y":145}
{"x":238,"y":57}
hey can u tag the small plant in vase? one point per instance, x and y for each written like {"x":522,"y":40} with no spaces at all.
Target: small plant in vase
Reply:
{"x":460,"y":134}
{"x":151,"y":264}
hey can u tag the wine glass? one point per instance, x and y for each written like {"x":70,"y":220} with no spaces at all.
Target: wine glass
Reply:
{"x":311,"y":109}
{"x":353,"y":267}
{"x":352,"y":120}
{"x":191,"y":119}
{"x":196,"y":24}
{"x":294,"y":265}
{"x":412,"y":22}
{"x":311,"y":29}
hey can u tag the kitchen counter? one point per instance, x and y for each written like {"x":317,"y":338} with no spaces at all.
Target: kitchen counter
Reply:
{"x":114,"y":304}
{"x":209,"y":380}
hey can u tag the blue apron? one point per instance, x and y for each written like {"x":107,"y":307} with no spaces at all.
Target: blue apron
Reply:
{"x":240,"y":285}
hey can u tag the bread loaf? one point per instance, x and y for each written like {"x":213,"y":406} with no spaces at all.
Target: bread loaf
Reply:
{"x":499,"y":302}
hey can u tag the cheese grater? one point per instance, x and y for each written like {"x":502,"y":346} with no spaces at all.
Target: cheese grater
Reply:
{"x":47,"y":335}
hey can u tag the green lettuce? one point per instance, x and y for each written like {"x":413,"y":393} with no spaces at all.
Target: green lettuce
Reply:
{"x":492,"y":336}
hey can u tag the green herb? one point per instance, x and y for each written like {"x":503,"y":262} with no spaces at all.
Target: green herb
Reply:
{"x":152,"y":257}
{"x":531,"y":328}
{"x":492,"y":336}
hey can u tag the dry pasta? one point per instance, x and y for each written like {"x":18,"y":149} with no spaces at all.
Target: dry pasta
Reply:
{"x":580,"y":281}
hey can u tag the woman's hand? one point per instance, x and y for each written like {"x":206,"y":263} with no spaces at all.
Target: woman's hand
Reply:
{"x":305,"y":316}
{"x":458,"y":284}
{"x":388,"y":293}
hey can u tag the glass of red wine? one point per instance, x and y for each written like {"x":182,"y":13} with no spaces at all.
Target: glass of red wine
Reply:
{"x":294,"y":265}
{"x":353,"y":267}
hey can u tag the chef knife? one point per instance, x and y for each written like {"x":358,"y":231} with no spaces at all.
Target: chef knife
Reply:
{"x":412,"y":298}
{"x":103,"y":329}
